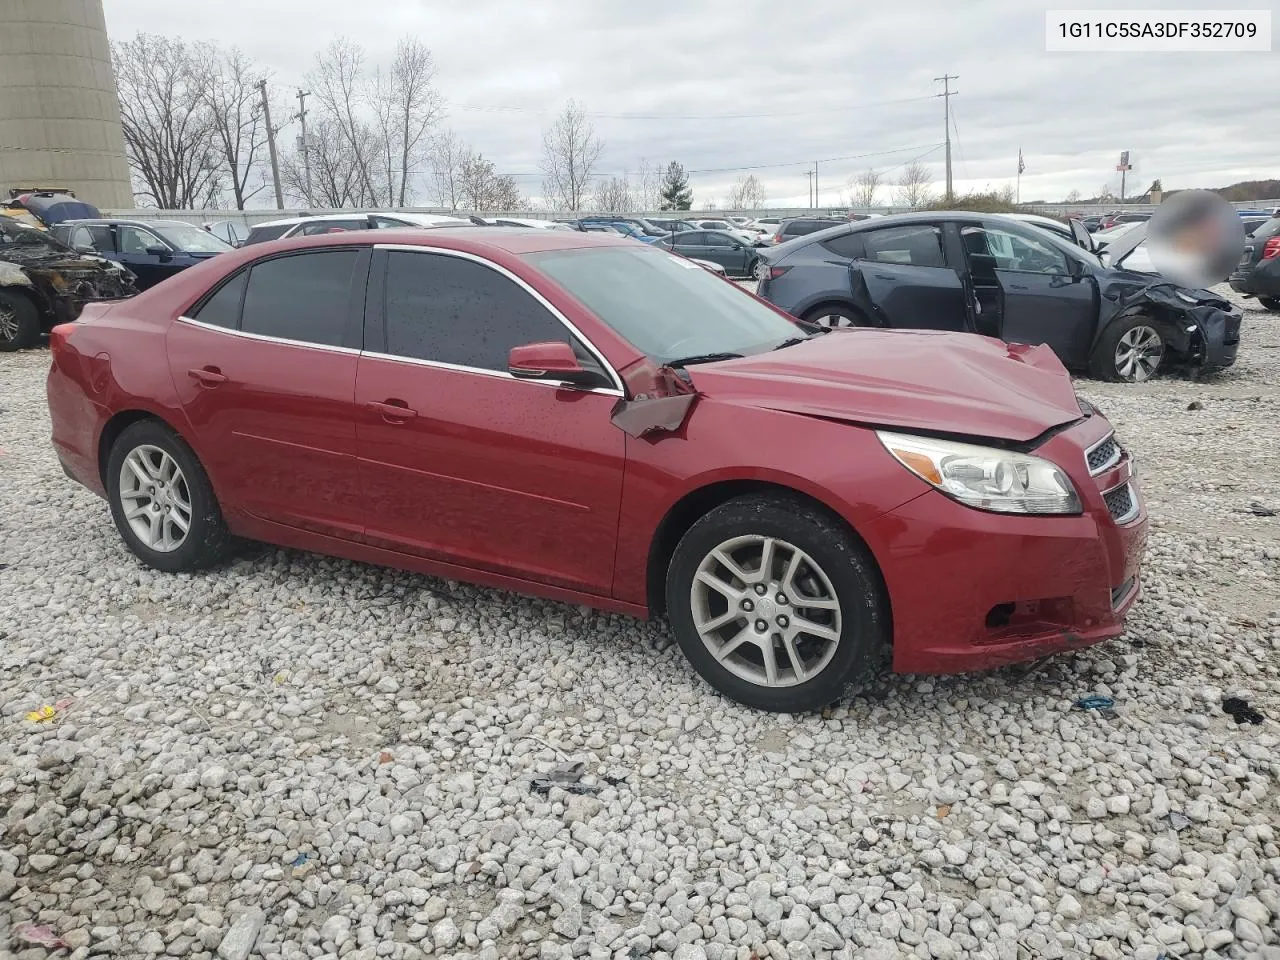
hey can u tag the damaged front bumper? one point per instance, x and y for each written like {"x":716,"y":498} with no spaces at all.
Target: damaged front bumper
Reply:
{"x":1202,"y":328}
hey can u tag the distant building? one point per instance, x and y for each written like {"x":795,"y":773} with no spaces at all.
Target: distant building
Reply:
{"x":59,"y":111}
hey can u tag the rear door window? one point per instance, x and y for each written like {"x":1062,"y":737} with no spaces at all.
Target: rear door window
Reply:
{"x":917,"y":245}
{"x":301,"y":297}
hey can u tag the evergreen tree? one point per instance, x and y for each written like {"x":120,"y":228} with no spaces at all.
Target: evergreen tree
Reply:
{"x":676,"y":193}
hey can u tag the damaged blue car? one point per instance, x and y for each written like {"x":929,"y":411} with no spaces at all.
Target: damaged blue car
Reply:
{"x":992,"y":275}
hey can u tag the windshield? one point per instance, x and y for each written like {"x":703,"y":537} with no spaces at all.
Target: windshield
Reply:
{"x":666,"y":306}
{"x":191,"y":239}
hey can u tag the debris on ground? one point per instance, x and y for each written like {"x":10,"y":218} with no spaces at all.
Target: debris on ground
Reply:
{"x":566,"y":776}
{"x":1096,"y":702}
{"x":1239,"y":710}
{"x":1179,"y":821}
{"x":37,"y":935}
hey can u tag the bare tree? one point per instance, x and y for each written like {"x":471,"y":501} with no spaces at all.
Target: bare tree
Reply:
{"x":169,"y":133}
{"x":235,"y":106}
{"x":336,"y":178}
{"x":863,"y":187}
{"x":913,"y":186}
{"x":481,"y":189}
{"x":613,"y":196}
{"x":570,"y":149}
{"x":647,"y":189}
{"x":747,"y":193}
{"x":337,"y":82}
{"x":446,"y":156}
{"x":406,"y":105}
{"x":1073,"y":197}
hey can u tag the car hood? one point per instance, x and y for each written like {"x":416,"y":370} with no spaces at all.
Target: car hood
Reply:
{"x":928,"y":381}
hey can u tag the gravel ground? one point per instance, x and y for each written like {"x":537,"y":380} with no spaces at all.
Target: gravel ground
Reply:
{"x":295,"y":756}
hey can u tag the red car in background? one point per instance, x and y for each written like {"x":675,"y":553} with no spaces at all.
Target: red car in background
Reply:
{"x":589,"y":419}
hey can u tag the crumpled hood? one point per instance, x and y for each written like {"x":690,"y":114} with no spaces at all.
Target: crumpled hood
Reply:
{"x":919,"y":380}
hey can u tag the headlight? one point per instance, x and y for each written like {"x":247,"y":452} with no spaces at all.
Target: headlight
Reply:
{"x":984,"y":477}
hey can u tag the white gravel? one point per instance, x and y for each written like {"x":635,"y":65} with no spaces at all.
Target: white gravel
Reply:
{"x":301,"y":757}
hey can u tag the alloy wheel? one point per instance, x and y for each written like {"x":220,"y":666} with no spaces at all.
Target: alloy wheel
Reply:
{"x":8,"y":322}
{"x":1138,"y":353}
{"x":155,"y":498}
{"x":766,"y":611}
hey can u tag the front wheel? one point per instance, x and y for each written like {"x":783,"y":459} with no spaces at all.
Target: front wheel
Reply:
{"x":836,"y":315}
{"x":162,"y":502}
{"x":1129,"y":351}
{"x":1271,"y":303}
{"x":19,"y":322}
{"x":774,"y":603}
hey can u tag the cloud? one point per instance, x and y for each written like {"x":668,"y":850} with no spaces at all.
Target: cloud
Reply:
{"x":820,"y":79}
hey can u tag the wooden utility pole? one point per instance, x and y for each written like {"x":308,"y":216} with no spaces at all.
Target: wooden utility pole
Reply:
{"x":271,"y":144}
{"x":946,"y":95}
{"x":306,"y":148}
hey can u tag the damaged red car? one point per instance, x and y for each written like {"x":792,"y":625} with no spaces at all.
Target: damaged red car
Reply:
{"x":593,"y":420}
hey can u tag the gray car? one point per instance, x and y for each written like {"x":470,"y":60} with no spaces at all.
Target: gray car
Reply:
{"x":734,"y":254}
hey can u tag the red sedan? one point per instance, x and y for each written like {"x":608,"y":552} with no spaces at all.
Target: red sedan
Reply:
{"x":593,"y":420}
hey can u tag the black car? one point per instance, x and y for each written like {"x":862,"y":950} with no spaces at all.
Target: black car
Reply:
{"x":736,"y":256}
{"x":43,"y":282}
{"x":1258,"y":274}
{"x":803,"y":226}
{"x":992,"y":275}
{"x":153,"y":250}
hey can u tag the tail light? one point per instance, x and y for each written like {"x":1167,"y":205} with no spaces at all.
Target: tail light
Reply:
{"x":1271,"y":248}
{"x":776,"y":272}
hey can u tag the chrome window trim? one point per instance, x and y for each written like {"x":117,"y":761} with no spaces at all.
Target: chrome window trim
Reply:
{"x":265,"y":337}
{"x":617,"y":389}
{"x":496,"y":374}
{"x":1119,"y":455}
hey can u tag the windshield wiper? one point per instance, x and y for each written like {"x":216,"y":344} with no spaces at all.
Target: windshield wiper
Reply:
{"x":702,"y":358}
{"x":792,"y":341}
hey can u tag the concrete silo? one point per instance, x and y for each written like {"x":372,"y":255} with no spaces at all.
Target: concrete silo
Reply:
{"x":59,"y":111}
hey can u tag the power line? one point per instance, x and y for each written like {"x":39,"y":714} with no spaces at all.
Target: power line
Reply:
{"x":474,"y":108}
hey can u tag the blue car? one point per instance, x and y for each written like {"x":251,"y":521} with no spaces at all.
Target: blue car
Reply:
{"x":153,"y":250}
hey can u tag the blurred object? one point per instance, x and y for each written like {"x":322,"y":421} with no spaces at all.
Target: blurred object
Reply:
{"x":1195,"y":238}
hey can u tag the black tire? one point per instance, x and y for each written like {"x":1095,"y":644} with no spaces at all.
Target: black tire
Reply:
{"x":1271,"y":303}
{"x":837,"y":315}
{"x":1102,"y":363}
{"x":207,"y":540}
{"x":19,"y":322}
{"x":846,"y":564}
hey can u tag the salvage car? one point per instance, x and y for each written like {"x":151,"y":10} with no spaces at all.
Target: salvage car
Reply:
{"x":44,"y":282}
{"x":1258,"y":273}
{"x":153,"y":250}
{"x":593,"y":420}
{"x":991,"y":275}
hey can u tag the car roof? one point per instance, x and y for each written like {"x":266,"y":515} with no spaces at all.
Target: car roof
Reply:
{"x":126,"y":221}
{"x":1036,"y":219}
{"x":479,"y":240}
{"x":290,"y":221}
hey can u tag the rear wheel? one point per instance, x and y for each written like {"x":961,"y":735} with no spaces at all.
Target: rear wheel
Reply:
{"x":774,"y":603}
{"x":19,"y":322}
{"x":1271,"y":303}
{"x":836,"y":315}
{"x":1129,"y":351}
{"x":162,"y":501}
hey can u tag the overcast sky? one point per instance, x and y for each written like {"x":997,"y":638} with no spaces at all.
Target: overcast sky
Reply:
{"x":813,"y":76}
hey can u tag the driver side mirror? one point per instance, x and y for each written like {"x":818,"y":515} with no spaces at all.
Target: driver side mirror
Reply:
{"x":84,"y":248}
{"x":550,"y":360}
{"x":161,"y":252}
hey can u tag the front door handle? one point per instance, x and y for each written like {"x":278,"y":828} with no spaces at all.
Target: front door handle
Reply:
{"x":207,"y":376}
{"x":393,"y":410}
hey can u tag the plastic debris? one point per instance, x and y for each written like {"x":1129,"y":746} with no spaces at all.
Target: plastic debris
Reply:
{"x":566,"y":776}
{"x":1239,"y":710}
{"x":301,"y":865}
{"x":1095,"y":703}
{"x":45,"y":714}
{"x":1179,"y":821}
{"x":41,"y":936}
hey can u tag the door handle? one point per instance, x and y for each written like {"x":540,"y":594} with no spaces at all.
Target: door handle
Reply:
{"x":207,"y":376}
{"x":393,"y":410}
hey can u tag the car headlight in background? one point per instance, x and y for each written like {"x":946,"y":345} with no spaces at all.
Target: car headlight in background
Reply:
{"x":985,"y":478}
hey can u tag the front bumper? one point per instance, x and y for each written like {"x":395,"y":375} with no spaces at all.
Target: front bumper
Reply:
{"x":971,"y":590}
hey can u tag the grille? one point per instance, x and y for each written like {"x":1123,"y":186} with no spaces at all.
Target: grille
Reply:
{"x":1102,"y":456}
{"x":1121,"y":503}
{"x":1118,"y":594}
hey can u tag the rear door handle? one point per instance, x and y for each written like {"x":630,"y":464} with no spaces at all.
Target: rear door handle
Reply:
{"x":393,"y":410}
{"x":207,"y":376}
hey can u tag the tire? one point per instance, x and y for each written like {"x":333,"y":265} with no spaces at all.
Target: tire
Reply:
{"x":1144,"y":342}
{"x":1271,"y":303}
{"x":836,"y":315}
{"x":19,"y":322}
{"x":835,"y":570}
{"x":206,"y":540}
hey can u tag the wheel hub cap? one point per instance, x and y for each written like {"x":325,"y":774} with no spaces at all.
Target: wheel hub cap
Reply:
{"x":766,"y":611}
{"x":1138,"y":353}
{"x":155,"y":498}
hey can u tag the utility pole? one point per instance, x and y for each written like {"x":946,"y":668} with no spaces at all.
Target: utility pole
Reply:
{"x":306,"y":154}
{"x":809,"y":174}
{"x":817,"y":199}
{"x":271,"y":144}
{"x":946,"y":95}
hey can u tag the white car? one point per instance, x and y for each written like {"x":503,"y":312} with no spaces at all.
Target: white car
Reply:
{"x":338,"y":222}
{"x":746,"y":236}
{"x":528,"y":222}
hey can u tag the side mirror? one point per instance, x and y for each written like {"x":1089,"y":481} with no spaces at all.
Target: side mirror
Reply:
{"x":552,"y":360}
{"x":85,"y":248}
{"x":161,"y":252}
